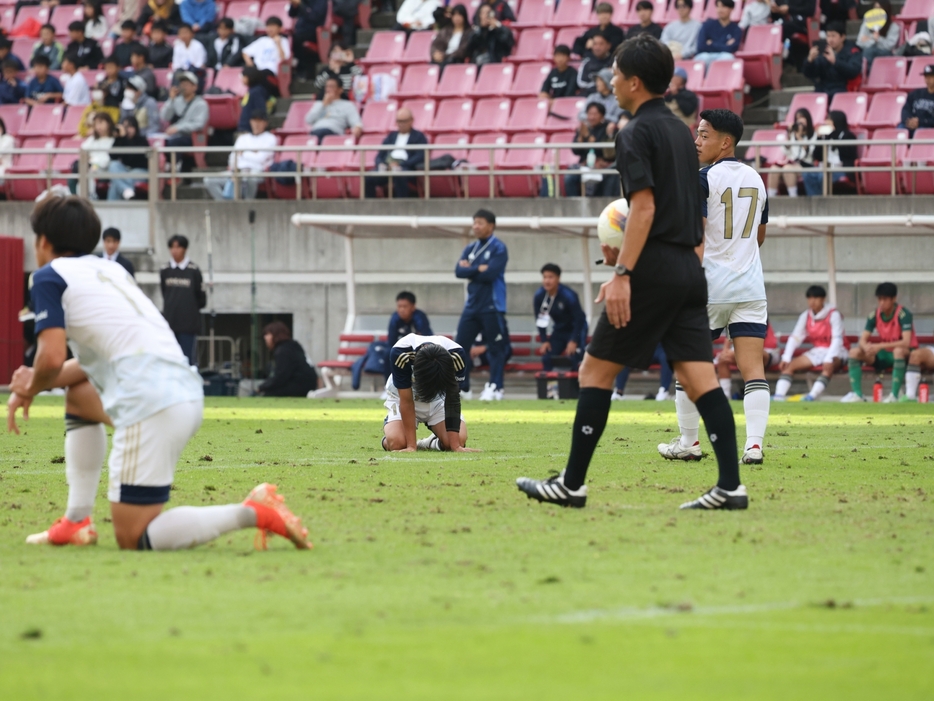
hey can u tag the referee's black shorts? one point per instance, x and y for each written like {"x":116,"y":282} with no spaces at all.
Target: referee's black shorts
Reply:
{"x":668,"y":305}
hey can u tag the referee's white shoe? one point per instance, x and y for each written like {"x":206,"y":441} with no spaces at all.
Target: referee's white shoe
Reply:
{"x":676,"y":451}
{"x":553,"y":491}
{"x":716,"y":498}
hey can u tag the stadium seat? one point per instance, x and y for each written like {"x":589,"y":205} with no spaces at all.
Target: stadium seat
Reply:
{"x":479,"y":159}
{"x":333,"y":186}
{"x":887,"y":73}
{"x":762,"y":56}
{"x":534,"y":45}
{"x":448,"y":185}
{"x":491,"y":114}
{"x":224,"y":111}
{"x":423,"y":114}
{"x":494,"y":80}
{"x":567,"y":36}
{"x":277,"y":190}
{"x":769,"y":155}
{"x":40,"y":14}
{"x":22,"y":49}
{"x":419,"y":80}
{"x":813,"y":102}
{"x":61,"y":163}
{"x":915,"y":77}
{"x":916,"y":10}
{"x":885,"y":110}
{"x":243,"y":8}
{"x":571,"y":13}
{"x":230,"y":80}
{"x":275,"y":8}
{"x":710,"y":12}
{"x":27,"y":163}
{"x":295,"y":118}
{"x":853,"y":104}
{"x":880,"y":155}
{"x":723,"y":86}
{"x":658,"y":14}
{"x":696,"y":71}
{"x":535,"y":13}
{"x":386,"y":47}
{"x":418,"y":48}
{"x":111,"y":13}
{"x":163,"y":77}
{"x":922,"y":182}
{"x":620,"y":12}
{"x":393,"y":69}
{"x":456,"y":80}
{"x":452,"y":115}
{"x":43,"y":121}
{"x":352,"y":183}
{"x":14,"y":116}
{"x":379,"y":117}
{"x":8,"y":18}
{"x":62,"y":16}
{"x":70,"y":121}
{"x":563,"y":114}
{"x":528,"y":115}
{"x":523,"y":159}
{"x":529,"y":79}
{"x":565,"y":156}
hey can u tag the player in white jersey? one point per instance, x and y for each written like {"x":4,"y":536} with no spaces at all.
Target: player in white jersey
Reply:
{"x":130,"y":373}
{"x":736,"y":211}
{"x":424,"y":387}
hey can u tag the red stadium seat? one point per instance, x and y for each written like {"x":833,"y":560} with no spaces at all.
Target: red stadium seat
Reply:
{"x":386,"y":47}
{"x":571,"y":12}
{"x":769,"y":155}
{"x":393,"y":69}
{"x":492,"y":114}
{"x":563,"y":114}
{"x":567,"y":36}
{"x":915,"y":10}
{"x":223,"y":110}
{"x":528,"y":115}
{"x":230,"y":80}
{"x":452,"y":115}
{"x":243,"y":8}
{"x":111,"y":14}
{"x":813,"y":102}
{"x":920,"y":183}
{"x":163,"y":77}
{"x":535,"y":13}
{"x":379,"y":117}
{"x":61,"y":163}
{"x":448,"y":185}
{"x":534,"y":45}
{"x":565,"y":157}
{"x":295,"y":118}
{"x":915,"y":78}
{"x":353,"y":163}
{"x":853,"y":105}
{"x":29,"y":163}
{"x":14,"y":116}
{"x":420,"y":80}
{"x":762,"y":56}
{"x":620,"y":12}
{"x":423,"y":114}
{"x":723,"y":86}
{"x":40,"y":14}
{"x":479,"y":159}
{"x":494,"y":80}
{"x":887,"y":73}
{"x":885,"y":110}
{"x":529,"y":79}
{"x":22,"y":49}
{"x":696,"y":71}
{"x":523,"y":159}
{"x":710,"y":12}
{"x":331,"y":187}
{"x":8,"y":18}
{"x":62,"y":16}
{"x":456,"y":81}
{"x":70,"y":121}
{"x":276,"y":8}
{"x":277,"y":190}
{"x":418,"y":48}
{"x":658,"y":13}
{"x":880,"y":155}
{"x":43,"y":120}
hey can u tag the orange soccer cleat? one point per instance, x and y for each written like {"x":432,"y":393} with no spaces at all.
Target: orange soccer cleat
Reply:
{"x":65,"y":532}
{"x":273,"y":516}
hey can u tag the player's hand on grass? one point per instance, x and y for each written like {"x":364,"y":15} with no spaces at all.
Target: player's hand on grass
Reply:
{"x":14,"y":403}
{"x":406,"y":450}
{"x":616,"y":293}
{"x":465,"y":449}
{"x":609,"y":255}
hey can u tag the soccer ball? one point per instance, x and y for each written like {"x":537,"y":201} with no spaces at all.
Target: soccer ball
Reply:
{"x":611,"y":226}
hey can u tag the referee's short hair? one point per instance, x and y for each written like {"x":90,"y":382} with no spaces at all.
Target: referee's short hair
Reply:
{"x":70,"y":224}
{"x":485,"y":214}
{"x":887,"y":289}
{"x":646,"y":58}
{"x":551,"y":268}
{"x":815,"y":291}
{"x":725,"y":122}
{"x":180,"y":240}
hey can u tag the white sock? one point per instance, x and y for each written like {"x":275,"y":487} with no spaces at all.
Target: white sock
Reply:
{"x":187,"y":526}
{"x":772,"y":191}
{"x":912,"y":380}
{"x":793,"y":191}
{"x":782,"y":386}
{"x":688,"y":417}
{"x":727,"y":386}
{"x":820,"y":384}
{"x":756,"y":403}
{"x":430,"y":443}
{"x":85,"y":450}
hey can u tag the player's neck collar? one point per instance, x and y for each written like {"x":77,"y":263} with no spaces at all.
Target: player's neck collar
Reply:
{"x":726,"y":160}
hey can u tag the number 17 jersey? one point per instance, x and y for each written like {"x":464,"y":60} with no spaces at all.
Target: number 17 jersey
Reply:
{"x":735,"y":203}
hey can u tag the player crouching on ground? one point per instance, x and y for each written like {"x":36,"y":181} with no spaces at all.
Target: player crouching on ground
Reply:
{"x":145,"y":389}
{"x":425,"y":387}
{"x":822,"y":326}
{"x":894,"y":326}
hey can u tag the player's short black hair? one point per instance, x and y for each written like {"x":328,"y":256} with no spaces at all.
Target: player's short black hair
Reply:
{"x":551,"y":268}
{"x":40,"y":60}
{"x":433,"y":373}
{"x":815,"y":291}
{"x":726,"y":3}
{"x":562,"y":49}
{"x":485,"y":214}
{"x":838,"y":27}
{"x":274,"y":20}
{"x":226,"y":22}
{"x":128,"y":24}
{"x":644,"y":5}
{"x":76,"y":26}
{"x":111,"y":233}
{"x":648,"y":59}
{"x":407,"y":296}
{"x":180,"y":240}
{"x":887,"y":289}
{"x":70,"y":224}
{"x":725,"y":122}
{"x":599,"y":106}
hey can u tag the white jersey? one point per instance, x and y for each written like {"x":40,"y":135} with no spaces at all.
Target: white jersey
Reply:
{"x":402,"y":355}
{"x":119,"y":338}
{"x":735,"y":204}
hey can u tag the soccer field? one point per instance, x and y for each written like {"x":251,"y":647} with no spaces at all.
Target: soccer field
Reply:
{"x":432,"y":577}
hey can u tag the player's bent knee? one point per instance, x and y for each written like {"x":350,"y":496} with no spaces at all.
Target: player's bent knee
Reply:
{"x":130,"y":522}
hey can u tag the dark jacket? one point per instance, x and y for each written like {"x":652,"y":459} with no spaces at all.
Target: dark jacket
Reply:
{"x":12,"y":94}
{"x":160,"y":56}
{"x":113,"y":91}
{"x":615,"y":34}
{"x":714,"y":38}
{"x":444,"y":37}
{"x":486,"y":291}
{"x":231,"y":53}
{"x":415,"y":158}
{"x":175,"y":19}
{"x":588,"y":70}
{"x":124,"y":261}
{"x":501,"y":10}
{"x":570,"y":321}
{"x":599,"y":136}
{"x":654,"y":29}
{"x":832,"y":78}
{"x":182,"y":298}
{"x":417,"y":324}
{"x":290,"y":375}
{"x":346,"y":75}
{"x":495,"y":43}
{"x":132,"y":160}
{"x":88,"y":51}
{"x":563,"y":84}
{"x":122,"y":52}
{"x":848,"y":154}
{"x":256,"y":100}
{"x":920,"y":104}
{"x":309,"y":15}
{"x":686,"y":101}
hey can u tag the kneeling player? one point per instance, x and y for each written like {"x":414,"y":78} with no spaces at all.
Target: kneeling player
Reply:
{"x":427,"y":372}
{"x":142,"y":385}
{"x":727,"y":358}
{"x":822,"y":326}
{"x":919,"y":358}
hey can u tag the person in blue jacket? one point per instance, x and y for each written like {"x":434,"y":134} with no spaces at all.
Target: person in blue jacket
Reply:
{"x":309,"y":15}
{"x":200,"y":14}
{"x":558,"y":307}
{"x":719,"y":39}
{"x":407,"y":319}
{"x":483,"y":263}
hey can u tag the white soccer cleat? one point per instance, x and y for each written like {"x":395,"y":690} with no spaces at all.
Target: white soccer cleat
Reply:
{"x":676,"y":451}
{"x":617,"y":397}
{"x":490,"y":393}
{"x":852,"y":398}
{"x":891,"y":399}
{"x":778,"y":397}
{"x":752,"y":456}
{"x":430,"y":443}
{"x":467,"y":396}
{"x":662,"y":395}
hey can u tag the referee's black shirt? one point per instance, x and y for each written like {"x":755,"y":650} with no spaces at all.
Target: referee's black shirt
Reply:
{"x":655,"y":150}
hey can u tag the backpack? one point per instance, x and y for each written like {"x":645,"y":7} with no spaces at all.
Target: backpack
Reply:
{"x":375,"y":361}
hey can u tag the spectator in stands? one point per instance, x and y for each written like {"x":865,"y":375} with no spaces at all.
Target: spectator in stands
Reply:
{"x":128,"y":136}
{"x":879,"y":42}
{"x":227,"y":46}
{"x":415,"y":15}
{"x":256,"y":98}
{"x":95,"y":24}
{"x":681,"y":36}
{"x":47,"y":46}
{"x":186,"y":112}
{"x":253,"y":153}
{"x":111,"y":242}
{"x":266,"y":53}
{"x":7,"y":144}
{"x":86,"y":123}
{"x":918,"y":112}
{"x":160,"y":51}
{"x":141,"y":106}
{"x":139,"y":66}
{"x":6,"y":54}
{"x":332,"y":114}
{"x":755,"y":12}
{"x":87,"y":51}
{"x":719,"y":38}
{"x":188,"y":54}
{"x":799,"y":154}
{"x":605,"y":26}
{"x":834,"y":129}
{"x":407,"y":319}
{"x":290,"y":374}
{"x":794,"y":15}
{"x":155,"y":11}
{"x":501,"y":10}
{"x":452,"y":37}
{"x":98,"y":145}
{"x":112,"y":83}
{"x":592,"y":131}
{"x":680,"y":100}
{"x":491,"y":42}
{"x":182,"y":296}
{"x":919,"y":44}
{"x":603,"y":94}
{"x":347,"y":10}
{"x":644,"y":9}
{"x":833,"y":63}
{"x":200,"y":14}
{"x":400,"y":159}
{"x":562,"y":81}
{"x":12,"y":89}
{"x":338,"y":67}
{"x":309,"y":15}
{"x":600,"y":58}
{"x":123,"y":49}
{"x":43,"y":87}
{"x":836,"y":11}
{"x":558,"y":307}
{"x":76,"y":92}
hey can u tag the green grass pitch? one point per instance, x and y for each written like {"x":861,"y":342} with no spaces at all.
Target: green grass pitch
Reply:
{"x":433,"y":578}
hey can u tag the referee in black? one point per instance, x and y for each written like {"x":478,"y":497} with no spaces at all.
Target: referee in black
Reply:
{"x":658,"y":293}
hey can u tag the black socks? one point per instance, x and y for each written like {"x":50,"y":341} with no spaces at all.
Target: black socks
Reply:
{"x":721,"y":428}
{"x":593,"y":408}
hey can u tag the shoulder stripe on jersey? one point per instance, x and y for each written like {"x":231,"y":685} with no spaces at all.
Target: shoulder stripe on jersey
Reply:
{"x":404,"y":359}
{"x":458,"y":361}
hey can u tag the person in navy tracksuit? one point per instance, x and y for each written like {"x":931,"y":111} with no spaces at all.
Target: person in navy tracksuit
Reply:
{"x":559,"y":307}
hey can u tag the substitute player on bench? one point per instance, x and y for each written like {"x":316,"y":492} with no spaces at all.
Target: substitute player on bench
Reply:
{"x":657,"y":292}
{"x":736,"y":210}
